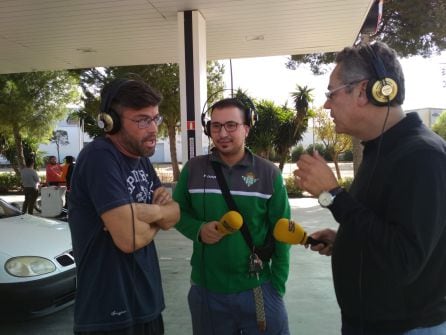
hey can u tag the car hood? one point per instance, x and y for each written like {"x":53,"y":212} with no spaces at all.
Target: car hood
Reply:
{"x":28,"y":235}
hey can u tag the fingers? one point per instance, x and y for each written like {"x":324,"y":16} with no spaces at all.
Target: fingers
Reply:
{"x":323,"y":249}
{"x":317,"y":155}
{"x":297,"y":180}
{"x":328,"y":237}
{"x":209,"y":233}
{"x":161,"y":196}
{"x":313,"y":174}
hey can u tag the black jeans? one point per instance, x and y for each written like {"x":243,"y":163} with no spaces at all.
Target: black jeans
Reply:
{"x":31,"y":195}
{"x":154,"y":327}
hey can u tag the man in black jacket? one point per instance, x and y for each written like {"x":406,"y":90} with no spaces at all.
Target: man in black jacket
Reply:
{"x":389,"y":253}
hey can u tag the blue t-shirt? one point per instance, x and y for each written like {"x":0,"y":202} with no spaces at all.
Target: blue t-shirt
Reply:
{"x":115,"y":290}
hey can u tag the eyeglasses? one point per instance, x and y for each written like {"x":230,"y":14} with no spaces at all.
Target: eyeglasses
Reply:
{"x":230,"y":126}
{"x":145,"y":122}
{"x":329,"y":94}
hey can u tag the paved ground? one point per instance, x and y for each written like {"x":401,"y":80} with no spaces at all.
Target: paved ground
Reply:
{"x":310,"y":299}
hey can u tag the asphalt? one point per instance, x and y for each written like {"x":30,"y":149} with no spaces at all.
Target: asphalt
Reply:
{"x":310,"y":298}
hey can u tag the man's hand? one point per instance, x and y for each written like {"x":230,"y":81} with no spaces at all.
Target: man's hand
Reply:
{"x":209,"y":233}
{"x":161,"y":196}
{"x":314,"y":175}
{"x":327,"y":236}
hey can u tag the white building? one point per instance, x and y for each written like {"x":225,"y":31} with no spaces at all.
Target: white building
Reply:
{"x":77,"y":138}
{"x":428,"y":115}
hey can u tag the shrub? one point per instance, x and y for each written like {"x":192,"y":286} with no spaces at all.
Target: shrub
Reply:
{"x":8,"y":182}
{"x":321,"y":149}
{"x":296,"y":152}
{"x":273,"y":156}
{"x":346,"y":156}
{"x":292,"y":189}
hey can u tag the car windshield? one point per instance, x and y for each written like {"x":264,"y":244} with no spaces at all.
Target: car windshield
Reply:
{"x":7,"y":210}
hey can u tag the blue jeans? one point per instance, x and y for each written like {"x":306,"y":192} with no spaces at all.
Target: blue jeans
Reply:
{"x":434,"y":330}
{"x":231,"y":314}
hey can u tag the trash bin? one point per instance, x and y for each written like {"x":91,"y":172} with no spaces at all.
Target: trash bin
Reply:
{"x":52,"y":198}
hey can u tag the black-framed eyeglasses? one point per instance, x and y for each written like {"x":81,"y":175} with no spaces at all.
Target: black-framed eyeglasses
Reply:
{"x":145,"y":122}
{"x":330,"y":93}
{"x":230,"y":126}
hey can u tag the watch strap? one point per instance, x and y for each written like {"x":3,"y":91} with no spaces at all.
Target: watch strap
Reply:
{"x":335,"y":191}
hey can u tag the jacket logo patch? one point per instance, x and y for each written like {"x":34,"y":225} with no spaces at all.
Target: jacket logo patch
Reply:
{"x":250,"y":179}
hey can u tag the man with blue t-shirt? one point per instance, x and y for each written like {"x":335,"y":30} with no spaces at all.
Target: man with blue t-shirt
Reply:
{"x":117,"y":206}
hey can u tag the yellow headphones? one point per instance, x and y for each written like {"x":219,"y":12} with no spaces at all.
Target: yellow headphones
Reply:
{"x":381,"y":90}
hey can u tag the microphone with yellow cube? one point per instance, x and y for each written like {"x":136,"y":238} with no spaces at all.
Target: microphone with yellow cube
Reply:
{"x":290,"y":232}
{"x":229,"y":223}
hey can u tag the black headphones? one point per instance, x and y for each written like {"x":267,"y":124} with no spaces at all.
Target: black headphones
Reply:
{"x":382,"y":89}
{"x":108,"y":118}
{"x":241,"y":101}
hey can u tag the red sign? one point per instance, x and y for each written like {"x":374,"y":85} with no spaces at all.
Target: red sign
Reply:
{"x":190,"y":125}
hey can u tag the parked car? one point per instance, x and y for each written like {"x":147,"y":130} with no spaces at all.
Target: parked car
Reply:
{"x":37,"y":269}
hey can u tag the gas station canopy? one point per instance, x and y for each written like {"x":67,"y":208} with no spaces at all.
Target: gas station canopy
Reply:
{"x":56,"y":34}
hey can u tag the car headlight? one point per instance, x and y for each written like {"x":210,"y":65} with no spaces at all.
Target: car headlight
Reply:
{"x":29,"y":266}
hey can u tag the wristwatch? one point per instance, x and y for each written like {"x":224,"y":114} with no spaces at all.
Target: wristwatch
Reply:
{"x":326,"y":198}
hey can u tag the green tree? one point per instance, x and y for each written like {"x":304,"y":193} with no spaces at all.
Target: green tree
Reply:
{"x":302,"y":98}
{"x":59,"y":137}
{"x":215,"y":82}
{"x":92,"y":80}
{"x":163,"y":77}
{"x":292,"y":126}
{"x":440,"y":125}
{"x":287,"y":135}
{"x":416,"y":27}
{"x":280,"y":128}
{"x":30,"y":104}
{"x":334,"y":143}
{"x":261,"y":135}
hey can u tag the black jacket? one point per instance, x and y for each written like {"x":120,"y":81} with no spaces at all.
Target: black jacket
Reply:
{"x":389,"y":257}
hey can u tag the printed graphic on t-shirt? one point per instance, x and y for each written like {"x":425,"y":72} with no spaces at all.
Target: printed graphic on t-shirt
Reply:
{"x":139,"y":186}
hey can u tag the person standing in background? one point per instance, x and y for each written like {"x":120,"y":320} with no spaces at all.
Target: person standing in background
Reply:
{"x":30,"y":183}
{"x":54,"y":172}
{"x":66,"y":175}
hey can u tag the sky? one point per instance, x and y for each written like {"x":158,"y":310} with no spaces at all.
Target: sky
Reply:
{"x":268,"y":78}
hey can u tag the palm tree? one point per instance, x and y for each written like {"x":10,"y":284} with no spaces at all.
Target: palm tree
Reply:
{"x":286,"y":136}
{"x":302,"y":99}
{"x":292,"y":127}
{"x":261,"y":135}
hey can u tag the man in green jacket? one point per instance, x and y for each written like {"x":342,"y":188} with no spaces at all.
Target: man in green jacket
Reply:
{"x":227,"y":296}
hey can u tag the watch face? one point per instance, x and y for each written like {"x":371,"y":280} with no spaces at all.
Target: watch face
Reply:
{"x":325,"y":199}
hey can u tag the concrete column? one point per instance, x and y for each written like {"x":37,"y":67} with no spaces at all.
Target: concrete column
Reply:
{"x":193,"y":88}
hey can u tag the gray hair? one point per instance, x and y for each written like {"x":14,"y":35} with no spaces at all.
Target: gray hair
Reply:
{"x":355,"y":64}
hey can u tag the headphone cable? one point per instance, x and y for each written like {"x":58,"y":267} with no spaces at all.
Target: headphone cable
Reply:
{"x":133,"y":257}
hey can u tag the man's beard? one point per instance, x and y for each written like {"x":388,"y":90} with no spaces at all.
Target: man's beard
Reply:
{"x":137,"y":147}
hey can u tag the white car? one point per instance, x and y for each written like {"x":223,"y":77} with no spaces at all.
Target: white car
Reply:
{"x":37,"y":269}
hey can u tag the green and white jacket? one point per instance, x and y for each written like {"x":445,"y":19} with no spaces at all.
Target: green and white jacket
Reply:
{"x":258,"y":190}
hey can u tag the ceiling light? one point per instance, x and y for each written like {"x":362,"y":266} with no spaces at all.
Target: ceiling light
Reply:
{"x":86,"y":50}
{"x":254,"y":38}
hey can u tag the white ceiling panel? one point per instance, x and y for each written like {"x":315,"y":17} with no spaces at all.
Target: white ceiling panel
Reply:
{"x":58,"y":34}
